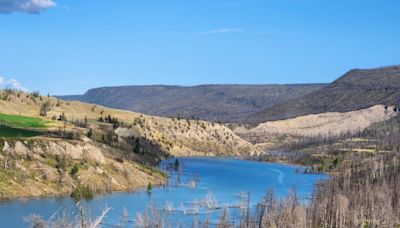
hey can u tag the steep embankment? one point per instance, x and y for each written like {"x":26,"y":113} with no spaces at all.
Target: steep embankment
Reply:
{"x":357,"y":89}
{"x":323,"y":124}
{"x":208,"y":102}
{"x":51,"y":167}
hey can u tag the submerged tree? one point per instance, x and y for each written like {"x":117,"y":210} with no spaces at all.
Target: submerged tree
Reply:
{"x":176,"y":164}
{"x":149,"y":187}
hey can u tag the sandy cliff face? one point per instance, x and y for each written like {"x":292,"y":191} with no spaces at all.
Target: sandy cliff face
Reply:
{"x":329,"y":123}
{"x":43,"y":167}
{"x":191,"y":137}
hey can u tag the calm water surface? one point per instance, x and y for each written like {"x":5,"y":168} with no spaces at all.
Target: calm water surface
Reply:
{"x":200,"y":188}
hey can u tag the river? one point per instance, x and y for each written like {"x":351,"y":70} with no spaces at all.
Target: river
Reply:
{"x":200,"y":188}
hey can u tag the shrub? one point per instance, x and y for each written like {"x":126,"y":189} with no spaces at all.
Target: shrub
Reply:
{"x":82,"y":192}
{"x":74,"y":170}
{"x":35,"y":94}
{"x":90,"y":133}
{"x":61,"y":163}
{"x":45,"y":108}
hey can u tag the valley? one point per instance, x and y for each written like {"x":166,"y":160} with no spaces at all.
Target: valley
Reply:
{"x":53,"y":147}
{"x":200,"y":114}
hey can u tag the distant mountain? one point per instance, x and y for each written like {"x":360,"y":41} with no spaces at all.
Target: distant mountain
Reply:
{"x":208,"y":102}
{"x":357,"y":89}
{"x":71,"y":97}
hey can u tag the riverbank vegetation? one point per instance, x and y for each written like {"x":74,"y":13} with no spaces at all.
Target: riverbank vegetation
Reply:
{"x":364,"y":189}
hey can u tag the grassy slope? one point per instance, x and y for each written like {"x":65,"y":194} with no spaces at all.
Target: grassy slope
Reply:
{"x":23,"y":121}
{"x":357,"y":89}
{"x":21,"y":126}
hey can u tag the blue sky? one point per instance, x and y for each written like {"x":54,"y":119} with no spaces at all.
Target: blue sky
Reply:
{"x":66,"y":47}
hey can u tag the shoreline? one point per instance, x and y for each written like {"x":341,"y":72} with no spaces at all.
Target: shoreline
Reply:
{"x":68,"y":195}
{"x":143,"y":187}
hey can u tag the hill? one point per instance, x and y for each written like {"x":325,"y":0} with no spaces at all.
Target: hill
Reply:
{"x":357,"y":89}
{"x":50,"y":146}
{"x":174,"y":136}
{"x":208,"y":102}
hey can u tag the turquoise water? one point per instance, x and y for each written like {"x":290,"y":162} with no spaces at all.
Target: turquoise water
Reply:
{"x":200,"y":189}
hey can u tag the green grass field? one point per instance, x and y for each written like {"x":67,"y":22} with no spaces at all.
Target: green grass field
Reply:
{"x":10,"y":132}
{"x":15,"y":121}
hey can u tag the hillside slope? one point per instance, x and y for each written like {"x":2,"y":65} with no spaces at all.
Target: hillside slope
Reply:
{"x":357,"y":89}
{"x":171,"y":136}
{"x":208,"y":102}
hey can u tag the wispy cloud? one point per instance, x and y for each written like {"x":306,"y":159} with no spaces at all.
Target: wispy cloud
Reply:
{"x":11,"y":84}
{"x":27,"y":6}
{"x":272,"y":32}
{"x":220,"y":31}
{"x":81,"y":82}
